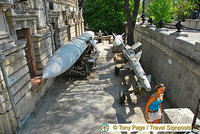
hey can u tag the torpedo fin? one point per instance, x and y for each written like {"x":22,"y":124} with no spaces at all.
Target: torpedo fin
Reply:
{"x":126,"y":66}
{"x":138,"y":55}
{"x":94,"y":44}
{"x":149,"y":78}
{"x":114,"y":34}
{"x":139,"y":85}
{"x":136,"y":45}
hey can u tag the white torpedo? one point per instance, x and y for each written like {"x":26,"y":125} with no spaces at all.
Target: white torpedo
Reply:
{"x":133,"y":61}
{"x":118,"y":39}
{"x":67,"y":55}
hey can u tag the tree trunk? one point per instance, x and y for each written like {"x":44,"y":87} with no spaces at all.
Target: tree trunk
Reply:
{"x":143,"y":6}
{"x":129,"y":23}
{"x":135,"y":12}
{"x":131,"y":20}
{"x":80,"y":2}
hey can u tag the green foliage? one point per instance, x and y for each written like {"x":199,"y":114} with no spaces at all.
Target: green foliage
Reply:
{"x":131,"y":4}
{"x":161,"y":9}
{"x":184,"y":9}
{"x":169,"y":10}
{"x":105,"y":15}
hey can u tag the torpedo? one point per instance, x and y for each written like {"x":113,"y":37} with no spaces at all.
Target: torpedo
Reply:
{"x":67,"y":55}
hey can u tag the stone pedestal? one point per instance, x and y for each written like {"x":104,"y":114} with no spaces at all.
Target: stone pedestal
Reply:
{"x":179,"y":116}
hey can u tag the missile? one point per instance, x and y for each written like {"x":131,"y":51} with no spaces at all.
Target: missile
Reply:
{"x":133,"y":61}
{"x":118,"y":39}
{"x":67,"y":55}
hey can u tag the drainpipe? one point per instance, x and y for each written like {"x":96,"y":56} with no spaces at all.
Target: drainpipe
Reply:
{"x":50,"y":26}
{"x":7,"y":82}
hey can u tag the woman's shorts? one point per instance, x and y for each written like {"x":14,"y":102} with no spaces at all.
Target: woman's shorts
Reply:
{"x":154,"y":116}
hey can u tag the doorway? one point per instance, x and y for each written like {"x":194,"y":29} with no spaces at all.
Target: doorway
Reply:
{"x":23,"y":34}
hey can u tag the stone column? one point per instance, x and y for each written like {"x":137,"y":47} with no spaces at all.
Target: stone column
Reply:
{"x":34,"y":27}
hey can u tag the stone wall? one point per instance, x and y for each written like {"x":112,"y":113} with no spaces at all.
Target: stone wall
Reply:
{"x":173,"y":61}
{"x":193,"y":23}
{"x":82,"y":27}
{"x":72,"y":30}
{"x":62,"y":35}
{"x":13,"y":55}
{"x":42,"y":50}
{"x":30,"y":16}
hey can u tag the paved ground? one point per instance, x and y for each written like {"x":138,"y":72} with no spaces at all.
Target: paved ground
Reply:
{"x":78,"y":106}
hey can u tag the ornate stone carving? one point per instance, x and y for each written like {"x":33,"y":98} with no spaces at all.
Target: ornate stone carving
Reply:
{"x":17,"y":25}
{"x":30,"y":23}
{"x":5,"y":4}
{"x":23,"y":5}
{"x":54,"y":13}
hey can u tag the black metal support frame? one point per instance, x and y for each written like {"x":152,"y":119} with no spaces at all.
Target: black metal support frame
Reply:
{"x":82,"y":67}
{"x":122,"y":94}
{"x":196,"y":115}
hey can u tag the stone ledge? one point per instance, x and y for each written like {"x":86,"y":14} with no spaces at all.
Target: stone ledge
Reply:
{"x":185,"y":61}
{"x":181,"y":44}
{"x":179,"y":116}
{"x":39,"y":37}
{"x":60,"y":29}
{"x":178,"y":34}
{"x":37,"y":83}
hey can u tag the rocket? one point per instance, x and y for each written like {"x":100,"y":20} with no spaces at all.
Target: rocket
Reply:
{"x":133,"y":61}
{"x":67,"y":55}
{"x":118,"y":39}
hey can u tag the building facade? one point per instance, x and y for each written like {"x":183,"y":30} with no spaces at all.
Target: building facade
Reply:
{"x":30,"y":32}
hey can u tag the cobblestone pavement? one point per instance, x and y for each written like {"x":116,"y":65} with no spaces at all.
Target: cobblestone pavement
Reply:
{"x":80,"y":106}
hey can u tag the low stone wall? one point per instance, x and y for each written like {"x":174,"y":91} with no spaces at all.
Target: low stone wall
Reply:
{"x":173,"y":61}
{"x":193,"y":23}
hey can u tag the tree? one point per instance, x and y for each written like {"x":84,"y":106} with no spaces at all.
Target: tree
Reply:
{"x":131,"y":19}
{"x":104,"y":15}
{"x":169,"y":10}
{"x":183,"y":9}
{"x":161,"y":9}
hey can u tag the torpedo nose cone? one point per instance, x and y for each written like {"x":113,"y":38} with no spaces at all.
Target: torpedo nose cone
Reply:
{"x":148,"y":89}
{"x":45,"y":76}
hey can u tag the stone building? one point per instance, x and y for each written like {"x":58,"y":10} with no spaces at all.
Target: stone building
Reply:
{"x":30,"y":32}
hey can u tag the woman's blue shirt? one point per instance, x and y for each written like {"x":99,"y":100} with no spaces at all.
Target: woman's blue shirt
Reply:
{"x":155,"y":105}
